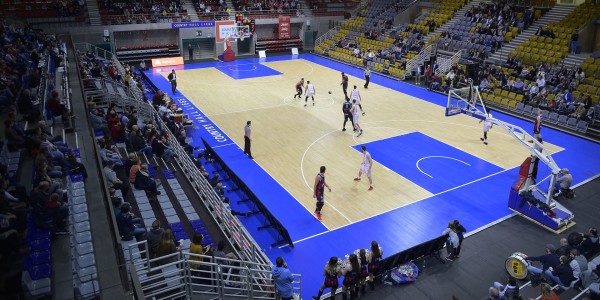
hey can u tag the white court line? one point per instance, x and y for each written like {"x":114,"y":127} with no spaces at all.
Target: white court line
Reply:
{"x":224,"y":145}
{"x":242,"y":83}
{"x":419,"y":200}
{"x":238,"y":70}
{"x":437,"y":156}
{"x":304,"y":177}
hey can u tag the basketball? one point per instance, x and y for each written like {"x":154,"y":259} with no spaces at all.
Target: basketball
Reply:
{"x":329,"y":92}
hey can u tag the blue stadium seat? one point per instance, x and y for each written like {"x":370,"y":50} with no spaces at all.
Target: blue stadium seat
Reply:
{"x":527,"y":109}
{"x":545,"y":115}
{"x":572,"y":123}
{"x":582,"y":126}
{"x":553,"y":117}
{"x":562,"y":120}
{"x":519,"y":107}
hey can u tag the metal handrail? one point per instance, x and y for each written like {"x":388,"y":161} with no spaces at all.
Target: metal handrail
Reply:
{"x":327,"y":35}
{"x":246,"y":280}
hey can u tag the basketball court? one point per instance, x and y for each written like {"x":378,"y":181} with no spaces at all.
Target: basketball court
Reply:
{"x":428,"y":169}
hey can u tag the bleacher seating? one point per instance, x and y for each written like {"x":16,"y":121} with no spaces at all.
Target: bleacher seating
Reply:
{"x":553,"y":49}
{"x":132,"y":12}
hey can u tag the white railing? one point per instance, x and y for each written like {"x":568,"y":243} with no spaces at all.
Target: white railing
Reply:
{"x":445,"y":63}
{"x":187,"y":274}
{"x":418,"y":60}
{"x":329,"y":34}
{"x":249,"y":251}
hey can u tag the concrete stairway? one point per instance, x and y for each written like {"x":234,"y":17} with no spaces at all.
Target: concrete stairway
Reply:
{"x":457,"y":16}
{"x":574,"y":60}
{"x":557,"y":13}
{"x":93,"y":12}
{"x":191,"y":10}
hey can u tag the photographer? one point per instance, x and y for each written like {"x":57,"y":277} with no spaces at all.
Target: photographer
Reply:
{"x":563,"y":182}
{"x":283,"y":279}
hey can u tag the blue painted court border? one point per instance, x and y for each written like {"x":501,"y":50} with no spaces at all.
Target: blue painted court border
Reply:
{"x":476,"y":204}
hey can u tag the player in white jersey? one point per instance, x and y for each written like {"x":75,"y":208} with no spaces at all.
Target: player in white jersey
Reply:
{"x":310,"y":92}
{"x":355,"y":110}
{"x":365,"y":167}
{"x":355,"y":95}
{"x":487,"y":125}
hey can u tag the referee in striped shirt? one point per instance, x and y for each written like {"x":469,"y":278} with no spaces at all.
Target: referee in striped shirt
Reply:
{"x":367,"y":77}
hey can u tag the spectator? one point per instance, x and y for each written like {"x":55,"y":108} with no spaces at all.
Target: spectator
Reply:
{"x":129,"y":227}
{"x":590,"y":276}
{"x":578,"y":263}
{"x":196,"y":247}
{"x":563,"y":182}
{"x":460,"y":231}
{"x":549,"y":259}
{"x":29,"y":106}
{"x":108,"y":155}
{"x":283,"y":279}
{"x":162,"y":150}
{"x":510,"y":291}
{"x":143,"y":181}
{"x":452,"y":242}
{"x":153,"y":237}
{"x":137,"y":142}
{"x":56,"y":108}
{"x":590,"y":243}
{"x":113,"y":181}
{"x":216,"y":183}
{"x":562,"y":274}
{"x":494,"y":294}
{"x":166,"y":246}
{"x":564,"y":249}
{"x":98,"y":122}
{"x":547,"y":292}
{"x":227,"y":206}
{"x":136,"y":165}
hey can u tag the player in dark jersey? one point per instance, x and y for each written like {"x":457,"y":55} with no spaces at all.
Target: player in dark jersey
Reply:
{"x":344,"y":84}
{"x":319,"y":191}
{"x":299,"y":88}
{"x":346,"y":109}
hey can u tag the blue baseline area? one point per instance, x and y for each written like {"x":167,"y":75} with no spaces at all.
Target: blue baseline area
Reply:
{"x":245,"y":71}
{"x":476,"y":204}
{"x":427,"y":162}
{"x":299,"y":222}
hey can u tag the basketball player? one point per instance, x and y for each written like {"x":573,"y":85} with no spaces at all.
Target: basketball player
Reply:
{"x":299,"y":87}
{"x":365,"y":167}
{"x":487,"y":125}
{"x":173,"y":80}
{"x":355,"y":97}
{"x":354,"y":111}
{"x":319,"y":191}
{"x":367,"y":77}
{"x":310,"y":92}
{"x":344,"y":84}
{"x":346,"y":109}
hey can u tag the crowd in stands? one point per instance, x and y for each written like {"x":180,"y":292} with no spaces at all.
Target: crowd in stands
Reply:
{"x":568,"y":266}
{"x":485,"y":28}
{"x":548,"y":88}
{"x":138,"y":12}
{"x":69,"y":8}
{"x":271,"y":6}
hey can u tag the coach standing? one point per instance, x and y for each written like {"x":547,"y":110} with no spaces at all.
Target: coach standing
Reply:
{"x":367,"y":77}
{"x":191,"y":51}
{"x":247,"y":133}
